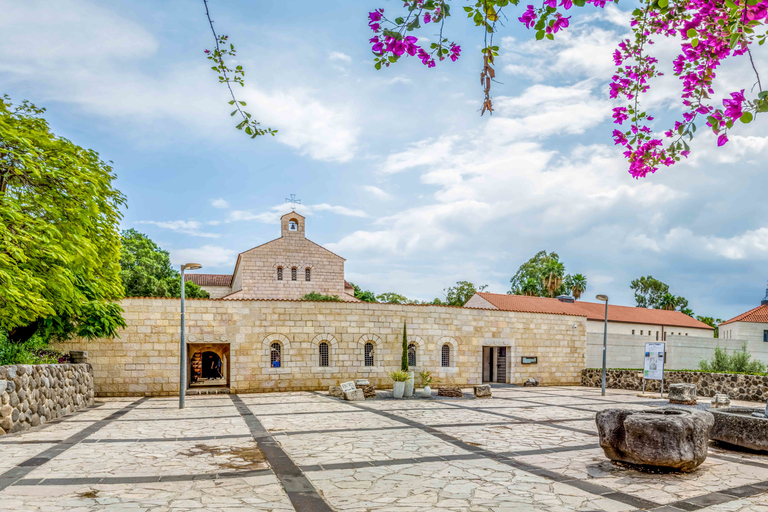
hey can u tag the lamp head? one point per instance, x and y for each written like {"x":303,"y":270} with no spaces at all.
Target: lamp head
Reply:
{"x":192,"y":266}
{"x":602,"y":297}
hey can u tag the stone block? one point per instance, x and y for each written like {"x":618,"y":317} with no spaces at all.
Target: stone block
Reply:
{"x":450,"y":391}
{"x":354,"y":396}
{"x":335,"y":391}
{"x":483,"y":391}
{"x":361,"y":382}
{"x":682,"y":393}
{"x":531,"y":382}
{"x":665,"y":437}
{"x":720,"y":400}
{"x":741,"y":426}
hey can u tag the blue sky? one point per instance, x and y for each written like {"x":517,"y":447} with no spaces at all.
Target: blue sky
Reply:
{"x":396,"y":169}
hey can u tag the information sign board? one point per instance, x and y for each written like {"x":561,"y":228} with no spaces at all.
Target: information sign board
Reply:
{"x":347,"y":387}
{"x":653,"y":366}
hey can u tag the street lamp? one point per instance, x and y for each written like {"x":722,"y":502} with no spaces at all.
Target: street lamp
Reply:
{"x":183,"y":346}
{"x":605,"y":334}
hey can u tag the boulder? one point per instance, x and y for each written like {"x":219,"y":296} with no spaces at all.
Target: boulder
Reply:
{"x":531,"y":382}
{"x":740,"y":426}
{"x":664,"y":437}
{"x":682,"y":393}
{"x":450,"y":391}
{"x":483,"y":391}
{"x":369,"y":391}
{"x":335,"y":391}
{"x":356,"y":395}
{"x":720,"y":400}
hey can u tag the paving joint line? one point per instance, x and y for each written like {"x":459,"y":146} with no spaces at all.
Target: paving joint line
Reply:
{"x":303,"y":495}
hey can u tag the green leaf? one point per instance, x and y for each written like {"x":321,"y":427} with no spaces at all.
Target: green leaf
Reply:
{"x":468,"y":9}
{"x":746,"y":117}
{"x":695,"y":42}
{"x":579,"y":3}
{"x":539,"y":35}
{"x":762,"y":94}
{"x":233,"y":112}
{"x":242,"y":103}
{"x":691,"y":33}
{"x":399,"y":21}
{"x":663,"y":3}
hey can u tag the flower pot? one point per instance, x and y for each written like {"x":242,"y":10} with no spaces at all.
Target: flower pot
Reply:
{"x":397,"y":389}
{"x":427,"y":392}
{"x":408,"y":392}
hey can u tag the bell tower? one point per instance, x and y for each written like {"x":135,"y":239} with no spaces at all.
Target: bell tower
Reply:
{"x":292,"y":225}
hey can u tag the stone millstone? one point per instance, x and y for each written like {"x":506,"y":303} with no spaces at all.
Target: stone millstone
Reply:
{"x":682,"y":394}
{"x":736,"y":425}
{"x":369,"y":391}
{"x":450,"y":391}
{"x":335,"y":391}
{"x":483,"y":391}
{"x":665,"y":437}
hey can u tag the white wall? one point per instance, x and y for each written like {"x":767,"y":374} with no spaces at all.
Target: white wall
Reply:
{"x":596,"y":326}
{"x":683,"y":352}
{"x":752,"y":332}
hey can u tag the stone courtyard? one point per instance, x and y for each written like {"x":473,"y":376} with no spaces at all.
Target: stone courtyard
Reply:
{"x":524,"y":449}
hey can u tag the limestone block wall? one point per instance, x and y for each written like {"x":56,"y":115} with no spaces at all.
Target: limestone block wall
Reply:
{"x":31,"y":395}
{"x":144,"y":360}
{"x":738,"y":387}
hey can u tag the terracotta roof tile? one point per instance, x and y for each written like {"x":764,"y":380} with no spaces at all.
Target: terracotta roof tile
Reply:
{"x":209,"y":279}
{"x":757,"y":315}
{"x":592,"y":310}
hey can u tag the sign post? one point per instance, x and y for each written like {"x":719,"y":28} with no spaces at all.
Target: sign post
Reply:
{"x":653,"y":364}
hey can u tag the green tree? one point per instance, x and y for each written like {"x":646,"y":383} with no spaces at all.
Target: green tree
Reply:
{"x":712,"y":322}
{"x":59,"y":242}
{"x":320,"y":297}
{"x":577,"y":283}
{"x":648,"y":291}
{"x":146,"y":270}
{"x":461,"y":292}
{"x":365,"y":296}
{"x":404,"y":357}
{"x":530,"y":287}
{"x":543,"y":276}
{"x":553,"y":276}
{"x":393,"y":298}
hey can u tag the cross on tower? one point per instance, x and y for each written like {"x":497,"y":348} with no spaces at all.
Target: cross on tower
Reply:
{"x":293,"y":201}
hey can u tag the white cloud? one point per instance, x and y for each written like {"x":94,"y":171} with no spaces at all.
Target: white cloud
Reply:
{"x":378,"y":193}
{"x":750,"y":244}
{"x":399,"y":80}
{"x":207,"y":255}
{"x":339,"y":210}
{"x":220,"y":203}
{"x":339,"y":57}
{"x":189,"y":227}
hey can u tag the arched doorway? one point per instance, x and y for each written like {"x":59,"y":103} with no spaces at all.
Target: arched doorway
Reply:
{"x":208,"y":364}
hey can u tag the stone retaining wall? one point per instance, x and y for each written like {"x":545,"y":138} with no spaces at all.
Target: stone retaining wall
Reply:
{"x":31,"y":395}
{"x":738,"y":387}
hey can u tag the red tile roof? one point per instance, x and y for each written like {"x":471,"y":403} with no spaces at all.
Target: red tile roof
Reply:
{"x":209,"y":279}
{"x":592,"y":310}
{"x":758,"y":315}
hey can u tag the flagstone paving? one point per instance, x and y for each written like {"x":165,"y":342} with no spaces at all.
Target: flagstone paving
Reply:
{"x":524,"y":449}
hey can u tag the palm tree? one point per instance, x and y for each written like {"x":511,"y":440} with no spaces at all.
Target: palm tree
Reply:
{"x":553,"y":276}
{"x":668,"y":302}
{"x":530,"y":287}
{"x":578,"y":285}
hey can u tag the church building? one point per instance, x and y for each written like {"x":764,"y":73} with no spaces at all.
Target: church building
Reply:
{"x":288,"y":267}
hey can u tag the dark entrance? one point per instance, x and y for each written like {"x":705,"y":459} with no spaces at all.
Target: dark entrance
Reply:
{"x":208,"y":364}
{"x":495,"y":364}
{"x":212,"y":367}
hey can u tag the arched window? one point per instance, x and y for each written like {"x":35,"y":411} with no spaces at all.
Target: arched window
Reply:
{"x":279,"y":273}
{"x":322,"y":349}
{"x":308,"y":274}
{"x":293,"y":225}
{"x":293,"y":274}
{"x":274,"y":355}
{"x":369,"y":354}
{"x":446,"y":355}
{"x":411,"y":354}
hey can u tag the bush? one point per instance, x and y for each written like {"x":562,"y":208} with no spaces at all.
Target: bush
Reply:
{"x":738,"y":362}
{"x":321,"y":297}
{"x":33,"y":351}
{"x":399,"y":376}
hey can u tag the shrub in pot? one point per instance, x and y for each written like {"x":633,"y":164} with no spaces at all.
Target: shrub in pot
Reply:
{"x":426,"y":381}
{"x":399,"y":378}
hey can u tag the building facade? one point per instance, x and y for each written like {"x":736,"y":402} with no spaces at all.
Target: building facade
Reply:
{"x":288,"y":267}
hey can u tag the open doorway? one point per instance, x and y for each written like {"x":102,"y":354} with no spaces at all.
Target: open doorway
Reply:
{"x":208,"y":365}
{"x":495,"y":364}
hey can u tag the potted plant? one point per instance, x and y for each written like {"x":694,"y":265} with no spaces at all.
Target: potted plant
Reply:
{"x":399,"y":377}
{"x":408,"y":392}
{"x":426,"y":380}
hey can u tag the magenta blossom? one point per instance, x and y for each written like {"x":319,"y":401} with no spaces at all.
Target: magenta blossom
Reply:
{"x":733,"y":106}
{"x":529,"y":17}
{"x":560,"y":22}
{"x":722,"y":139}
{"x":566,"y":4}
{"x":427,"y":17}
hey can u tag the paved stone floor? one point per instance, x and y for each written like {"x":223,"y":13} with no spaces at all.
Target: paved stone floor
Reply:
{"x":524,"y":449}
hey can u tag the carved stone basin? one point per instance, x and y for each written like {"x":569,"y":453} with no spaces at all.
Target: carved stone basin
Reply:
{"x":741,"y":426}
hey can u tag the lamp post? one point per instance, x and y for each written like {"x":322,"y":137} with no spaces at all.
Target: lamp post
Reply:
{"x":605,"y":334}
{"x":182,"y":345}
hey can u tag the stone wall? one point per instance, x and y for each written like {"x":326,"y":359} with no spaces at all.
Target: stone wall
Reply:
{"x":738,"y":387}
{"x":31,"y":395}
{"x":144,"y":359}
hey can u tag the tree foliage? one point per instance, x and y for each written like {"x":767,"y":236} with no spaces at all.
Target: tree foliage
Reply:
{"x":146,"y":270}
{"x":460,"y":293}
{"x":712,"y":322}
{"x":320,"y":297}
{"x":738,"y":362}
{"x":404,"y":355}
{"x":544,"y":275}
{"x":393,"y":298}
{"x":365,"y":296}
{"x":648,"y":291}
{"x":59,"y":242}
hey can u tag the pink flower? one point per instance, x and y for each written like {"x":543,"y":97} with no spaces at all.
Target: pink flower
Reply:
{"x":529,"y":17}
{"x":427,"y":17}
{"x":560,"y":22}
{"x":566,"y":4}
{"x":721,"y":140}
{"x":374,"y":16}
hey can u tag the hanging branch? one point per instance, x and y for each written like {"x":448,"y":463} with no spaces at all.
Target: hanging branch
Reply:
{"x":248,"y":124}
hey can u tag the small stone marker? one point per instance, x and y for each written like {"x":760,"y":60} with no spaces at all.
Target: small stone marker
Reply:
{"x":531,"y":382}
{"x":348,"y":386}
{"x":450,"y":391}
{"x":483,"y":391}
{"x":335,"y":391}
{"x":682,"y":393}
{"x":720,"y":400}
{"x":356,"y":395}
